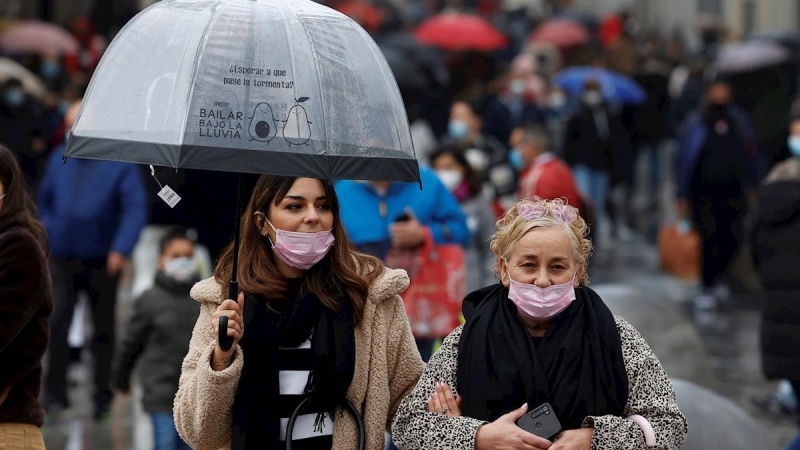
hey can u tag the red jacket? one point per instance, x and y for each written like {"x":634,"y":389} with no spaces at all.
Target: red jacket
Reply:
{"x":549,"y":178}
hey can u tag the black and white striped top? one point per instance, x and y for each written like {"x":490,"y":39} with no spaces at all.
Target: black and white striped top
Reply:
{"x":294,"y":365}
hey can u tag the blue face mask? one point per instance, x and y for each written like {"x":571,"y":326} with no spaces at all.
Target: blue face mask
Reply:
{"x":49,"y":69}
{"x":458,"y":129}
{"x":516,"y":159}
{"x":14,"y":97}
{"x":794,"y":145}
{"x":63,"y":107}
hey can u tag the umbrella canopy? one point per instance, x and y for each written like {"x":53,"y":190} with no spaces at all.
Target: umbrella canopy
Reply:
{"x":458,"y":31}
{"x":41,"y":38}
{"x":30,"y":82}
{"x":563,"y":33}
{"x":286,"y":87}
{"x":616,"y":87}
{"x":750,"y":56}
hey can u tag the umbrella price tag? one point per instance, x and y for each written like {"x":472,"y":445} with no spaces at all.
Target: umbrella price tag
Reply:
{"x":166,"y":193}
{"x":169,"y":196}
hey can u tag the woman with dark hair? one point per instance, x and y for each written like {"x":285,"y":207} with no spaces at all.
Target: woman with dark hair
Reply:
{"x":314,"y":319}
{"x":25,"y":304}
{"x":462,"y":181}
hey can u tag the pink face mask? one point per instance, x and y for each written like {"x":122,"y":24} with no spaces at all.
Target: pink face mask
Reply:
{"x":537,"y":303}
{"x":301,"y":250}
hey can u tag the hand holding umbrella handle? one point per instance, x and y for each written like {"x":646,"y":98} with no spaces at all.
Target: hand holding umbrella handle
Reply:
{"x":226,"y":342}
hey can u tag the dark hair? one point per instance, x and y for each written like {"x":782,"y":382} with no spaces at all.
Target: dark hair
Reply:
{"x":475,"y":106}
{"x":343,"y":271}
{"x":171,"y":235}
{"x":537,"y":134}
{"x":17,"y":203}
{"x":470,"y":175}
{"x":12,"y":83}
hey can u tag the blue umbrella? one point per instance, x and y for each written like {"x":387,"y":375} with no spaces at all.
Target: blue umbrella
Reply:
{"x":616,"y":87}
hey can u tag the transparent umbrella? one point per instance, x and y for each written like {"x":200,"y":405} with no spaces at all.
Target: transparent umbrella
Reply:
{"x":285,"y":87}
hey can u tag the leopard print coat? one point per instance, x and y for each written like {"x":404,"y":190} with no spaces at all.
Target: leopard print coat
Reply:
{"x":650,"y":394}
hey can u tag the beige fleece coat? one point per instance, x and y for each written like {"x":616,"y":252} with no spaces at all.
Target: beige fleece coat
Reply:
{"x":388,"y":366}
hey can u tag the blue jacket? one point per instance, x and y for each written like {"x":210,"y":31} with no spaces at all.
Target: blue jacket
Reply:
{"x":693,"y":140}
{"x":367,"y":221}
{"x":91,"y":208}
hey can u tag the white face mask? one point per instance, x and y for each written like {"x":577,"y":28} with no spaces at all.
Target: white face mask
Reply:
{"x":181,"y":269}
{"x":592,"y":97}
{"x":517,"y":87}
{"x":557,"y":100}
{"x":450,"y":178}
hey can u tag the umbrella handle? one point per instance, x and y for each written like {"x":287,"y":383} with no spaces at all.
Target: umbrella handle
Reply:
{"x":225,"y":341}
{"x":362,"y":433}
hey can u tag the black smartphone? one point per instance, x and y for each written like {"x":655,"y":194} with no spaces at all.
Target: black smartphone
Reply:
{"x":403,"y":218}
{"x":541,"y":421}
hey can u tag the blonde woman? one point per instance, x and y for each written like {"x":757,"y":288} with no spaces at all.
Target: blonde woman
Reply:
{"x":541,"y":336}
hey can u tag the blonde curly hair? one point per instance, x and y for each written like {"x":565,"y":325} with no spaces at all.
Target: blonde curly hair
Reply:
{"x":535,"y":212}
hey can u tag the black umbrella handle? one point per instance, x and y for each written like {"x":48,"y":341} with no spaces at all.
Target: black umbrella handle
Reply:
{"x":225,"y":341}
{"x":362,"y":434}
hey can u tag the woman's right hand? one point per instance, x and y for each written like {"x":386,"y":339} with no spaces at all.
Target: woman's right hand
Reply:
{"x":504,"y":433}
{"x":234,"y":311}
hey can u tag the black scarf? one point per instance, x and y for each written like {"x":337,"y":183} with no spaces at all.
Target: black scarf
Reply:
{"x":577,"y":367}
{"x":256,"y":421}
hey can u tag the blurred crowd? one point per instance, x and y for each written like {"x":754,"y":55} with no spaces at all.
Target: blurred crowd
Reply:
{"x":506,"y":100}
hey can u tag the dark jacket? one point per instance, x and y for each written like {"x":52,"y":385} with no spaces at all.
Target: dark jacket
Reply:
{"x":776,"y":251}
{"x":26,"y":302}
{"x":157,"y":337}
{"x":694,"y":139}
{"x":584,"y":143}
{"x":91,"y":208}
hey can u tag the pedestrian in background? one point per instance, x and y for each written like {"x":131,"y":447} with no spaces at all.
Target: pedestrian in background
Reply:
{"x":25,"y":304}
{"x":487,"y":156}
{"x":717,"y":172}
{"x":382,"y":216}
{"x":157,"y":337}
{"x":589,"y":147}
{"x":93,"y":212}
{"x":460,"y":179}
{"x":315,"y":319}
{"x":542,"y":174}
{"x":776,"y":253}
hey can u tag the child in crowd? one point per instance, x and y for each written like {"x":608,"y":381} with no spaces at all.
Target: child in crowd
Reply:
{"x":157,"y":336}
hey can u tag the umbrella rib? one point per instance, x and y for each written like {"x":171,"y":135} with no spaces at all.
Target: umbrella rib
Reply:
{"x":321,"y":92}
{"x":195,"y":67}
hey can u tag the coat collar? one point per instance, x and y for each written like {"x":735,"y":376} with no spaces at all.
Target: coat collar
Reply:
{"x":390,"y":284}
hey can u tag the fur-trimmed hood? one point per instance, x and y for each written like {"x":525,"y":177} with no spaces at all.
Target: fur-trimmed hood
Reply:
{"x":391,"y":283}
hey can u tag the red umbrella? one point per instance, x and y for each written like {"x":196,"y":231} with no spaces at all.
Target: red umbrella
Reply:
{"x":38,"y":37}
{"x":562,"y":33}
{"x":611,"y":29}
{"x":367,"y":15}
{"x":457,"y":31}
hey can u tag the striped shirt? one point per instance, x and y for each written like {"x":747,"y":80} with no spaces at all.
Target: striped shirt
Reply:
{"x":294,"y":366}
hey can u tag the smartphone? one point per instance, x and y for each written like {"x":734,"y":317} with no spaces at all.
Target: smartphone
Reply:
{"x":403,"y":218}
{"x":541,"y":421}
